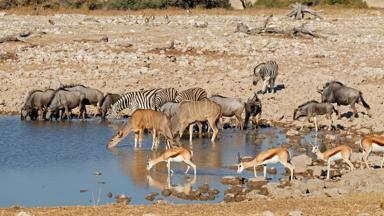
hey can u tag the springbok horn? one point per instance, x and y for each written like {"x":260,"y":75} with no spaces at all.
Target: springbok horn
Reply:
{"x":238,"y":157}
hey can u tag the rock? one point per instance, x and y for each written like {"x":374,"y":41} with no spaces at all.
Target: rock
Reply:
{"x":2,"y":14}
{"x":149,"y":214}
{"x":292,"y":132}
{"x":166,"y":192}
{"x":151,"y":196}
{"x":330,"y":137}
{"x":204,"y":188}
{"x":301,"y":162}
{"x":109,"y":195}
{"x":365,"y":131}
{"x":97,"y":173}
{"x":123,"y":199}
{"x":213,"y":191}
{"x":272,"y":170}
{"x":255,"y":183}
{"x":255,"y":194}
{"x":229,"y":197}
{"x":295,"y":213}
{"x":83,"y":190}
{"x":230,"y":180}
{"x":267,"y":213}
{"x":199,"y":24}
{"x":22,"y":213}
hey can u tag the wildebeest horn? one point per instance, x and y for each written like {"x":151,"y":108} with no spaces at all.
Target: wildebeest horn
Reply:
{"x":238,"y":157}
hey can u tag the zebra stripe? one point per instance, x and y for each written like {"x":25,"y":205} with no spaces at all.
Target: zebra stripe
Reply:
{"x":163,"y":96}
{"x":192,"y":94}
{"x":135,"y":100}
{"x":267,"y":72}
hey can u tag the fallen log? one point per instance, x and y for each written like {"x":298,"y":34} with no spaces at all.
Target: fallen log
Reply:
{"x":16,"y":37}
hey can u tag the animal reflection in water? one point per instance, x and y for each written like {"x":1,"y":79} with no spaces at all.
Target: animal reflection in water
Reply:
{"x":133,"y":164}
{"x":164,"y":182}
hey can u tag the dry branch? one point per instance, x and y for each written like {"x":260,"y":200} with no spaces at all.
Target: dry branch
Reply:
{"x":16,"y":37}
{"x":276,"y":30}
{"x":298,"y":11}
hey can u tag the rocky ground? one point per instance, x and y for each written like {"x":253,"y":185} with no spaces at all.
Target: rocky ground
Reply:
{"x":125,"y":53}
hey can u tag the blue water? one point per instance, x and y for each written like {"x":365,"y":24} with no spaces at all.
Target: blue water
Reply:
{"x":48,"y":163}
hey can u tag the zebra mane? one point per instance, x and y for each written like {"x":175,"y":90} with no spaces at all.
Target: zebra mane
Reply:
{"x":308,"y":102}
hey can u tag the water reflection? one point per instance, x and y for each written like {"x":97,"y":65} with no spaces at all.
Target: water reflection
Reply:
{"x":47,"y":163}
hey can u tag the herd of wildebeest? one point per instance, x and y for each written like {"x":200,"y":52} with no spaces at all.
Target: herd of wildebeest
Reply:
{"x":167,"y":112}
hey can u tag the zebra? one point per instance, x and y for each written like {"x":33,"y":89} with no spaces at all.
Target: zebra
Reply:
{"x":135,"y":100}
{"x":163,"y":96}
{"x":192,"y":94}
{"x":266,"y":71}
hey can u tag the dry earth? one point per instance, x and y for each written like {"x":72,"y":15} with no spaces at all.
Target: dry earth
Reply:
{"x":367,"y":204}
{"x":70,"y":49}
{"x":122,"y":53}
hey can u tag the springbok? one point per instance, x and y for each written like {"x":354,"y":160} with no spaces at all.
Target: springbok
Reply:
{"x":372,"y":144}
{"x":270,"y":156}
{"x":178,"y":154}
{"x":340,"y":152}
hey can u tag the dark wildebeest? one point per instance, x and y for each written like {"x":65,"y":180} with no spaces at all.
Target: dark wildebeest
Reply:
{"x":107,"y":102}
{"x":36,"y":104}
{"x":92,"y":96}
{"x":230,"y":107}
{"x":253,"y":108}
{"x":313,"y":109}
{"x":337,"y":92}
{"x":66,"y":100}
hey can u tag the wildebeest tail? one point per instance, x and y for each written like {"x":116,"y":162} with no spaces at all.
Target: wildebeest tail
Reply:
{"x":363,"y":101}
{"x":335,"y":110}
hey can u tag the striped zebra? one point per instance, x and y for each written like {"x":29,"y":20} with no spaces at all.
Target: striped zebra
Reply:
{"x":192,"y":94}
{"x":267,"y":72}
{"x":163,"y":96}
{"x":135,"y":100}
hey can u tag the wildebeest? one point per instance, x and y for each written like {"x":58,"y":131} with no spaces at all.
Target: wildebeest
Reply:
{"x":190,"y":112}
{"x":36,"y":104}
{"x":253,"y":108}
{"x":143,"y":119}
{"x":312,"y":109}
{"x":107,"y":102}
{"x":66,"y":100}
{"x":337,"y":92}
{"x":92,"y":96}
{"x":230,"y":107}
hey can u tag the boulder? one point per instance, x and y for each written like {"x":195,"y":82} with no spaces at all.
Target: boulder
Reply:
{"x":301,"y":162}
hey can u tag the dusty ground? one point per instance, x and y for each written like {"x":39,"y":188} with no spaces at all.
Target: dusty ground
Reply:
{"x":70,"y":50}
{"x":352,"y":205}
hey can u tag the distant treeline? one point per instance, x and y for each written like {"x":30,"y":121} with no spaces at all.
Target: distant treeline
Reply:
{"x":163,"y":4}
